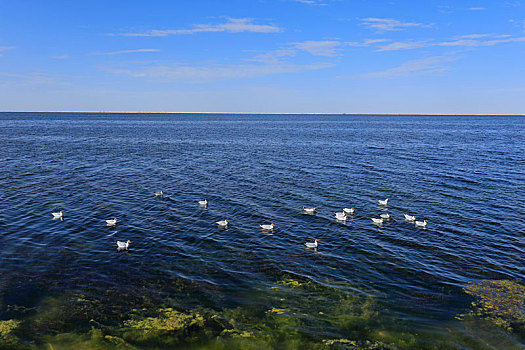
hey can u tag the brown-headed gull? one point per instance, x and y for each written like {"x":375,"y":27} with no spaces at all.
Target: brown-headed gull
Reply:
{"x":383,"y":202}
{"x":111,"y":222}
{"x":377,"y":221}
{"x":159,"y":193}
{"x":422,"y":223}
{"x":123,"y":245}
{"x":410,"y":217}
{"x":57,"y":215}
{"x":311,"y":245}
{"x":267,"y":227}
{"x":340,"y":215}
{"x":385,"y":216}
{"x":223,"y":223}
{"x":349,"y":211}
{"x":203,"y":203}
{"x":309,"y":210}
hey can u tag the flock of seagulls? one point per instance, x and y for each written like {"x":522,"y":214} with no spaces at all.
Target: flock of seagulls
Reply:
{"x":340,"y":216}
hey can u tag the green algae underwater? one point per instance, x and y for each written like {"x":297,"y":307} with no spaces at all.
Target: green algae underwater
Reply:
{"x":294,"y":314}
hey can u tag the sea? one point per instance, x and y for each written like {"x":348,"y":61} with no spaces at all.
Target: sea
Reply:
{"x":184,"y":282}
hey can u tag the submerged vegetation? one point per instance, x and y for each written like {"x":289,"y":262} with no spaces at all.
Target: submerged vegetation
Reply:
{"x":291,"y":313}
{"x":501,"y":302}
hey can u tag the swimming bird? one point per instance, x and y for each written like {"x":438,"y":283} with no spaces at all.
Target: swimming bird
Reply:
{"x":57,"y":215}
{"x":349,"y":211}
{"x":203,"y":203}
{"x":385,"y":202}
{"x":123,"y":245}
{"x":309,"y":210}
{"x":410,"y":217}
{"x":267,"y":227}
{"x":422,"y":223}
{"x":340,"y":215}
{"x":311,"y":245}
{"x":159,"y":193}
{"x":111,"y":222}
{"x":377,"y":221}
{"x":223,"y":223}
{"x":385,"y":216}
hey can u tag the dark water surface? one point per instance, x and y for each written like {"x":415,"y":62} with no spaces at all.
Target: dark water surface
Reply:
{"x":465,"y":174}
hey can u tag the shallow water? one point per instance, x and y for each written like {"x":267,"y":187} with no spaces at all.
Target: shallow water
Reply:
{"x":464,"y":174}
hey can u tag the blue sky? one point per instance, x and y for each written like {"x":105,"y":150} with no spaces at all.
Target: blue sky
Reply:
{"x":269,"y":56}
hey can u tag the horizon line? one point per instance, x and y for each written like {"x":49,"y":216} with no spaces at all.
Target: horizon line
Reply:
{"x":276,"y":113}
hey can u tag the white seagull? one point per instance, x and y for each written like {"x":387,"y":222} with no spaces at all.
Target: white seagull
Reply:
{"x":385,"y":202}
{"x":385,"y":216}
{"x":340,"y":215}
{"x":111,"y":222}
{"x":410,"y":217}
{"x":123,"y":245}
{"x":377,"y":221}
{"x":309,"y":210}
{"x":203,"y":203}
{"x":223,"y":223}
{"x":159,"y":193}
{"x":311,"y":245}
{"x":422,"y":223}
{"x":267,"y":227}
{"x":57,"y":215}
{"x":349,"y":211}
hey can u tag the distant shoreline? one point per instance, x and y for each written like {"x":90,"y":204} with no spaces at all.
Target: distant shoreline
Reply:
{"x":274,"y":113}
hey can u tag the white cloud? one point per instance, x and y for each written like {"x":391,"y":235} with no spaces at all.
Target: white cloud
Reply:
{"x":366,"y":42}
{"x":274,"y":56}
{"x":208,"y":73}
{"x":429,"y":65}
{"x":5,"y":48}
{"x":390,"y":24}
{"x":312,"y":2}
{"x":233,"y":25}
{"x":329,"y":48}
{"x":126,"y":51}
{"x":473,"y":40}
{"x":476,"y":8}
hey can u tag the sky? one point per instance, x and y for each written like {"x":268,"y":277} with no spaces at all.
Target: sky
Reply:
{"x":263,"y":56}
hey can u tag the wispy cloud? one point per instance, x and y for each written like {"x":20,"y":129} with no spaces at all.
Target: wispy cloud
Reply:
{"x":329,"y":48}
{"x":111,"y":53}
{"x":390,"y":24}
{"x":428,"y":65}
{"x":473,"y":40}
{"x":366,"y":42}
{"x":5,"y":48}
{"x":476,"y":8}
{"x":209,"y":73}
{"x":274,"y":56}
{"x":312,"y":2}
{"x":233,"y":25}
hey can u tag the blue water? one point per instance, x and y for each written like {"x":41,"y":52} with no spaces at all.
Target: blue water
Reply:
{"x":465,"y":174}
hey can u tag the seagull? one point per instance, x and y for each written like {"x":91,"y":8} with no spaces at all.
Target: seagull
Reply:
{"x":410,"y":217}
{"x":309,"y":210}
{"x":340,"y":215}
{"x":311,"y":245}
{"x":267,"y":227}
{"x":349,"y":211}
{"x":111,"y":222}
{"x":385,"y":202}
{"x":377,"y":221}
{"x":385,"y":216}
{"x":203,"y":203}
{"x":57,"y":215}
{"x":422,"y":223}
{"x":123,"y":245}
{"x":159,"y":193}
{"x":223,"y":223}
